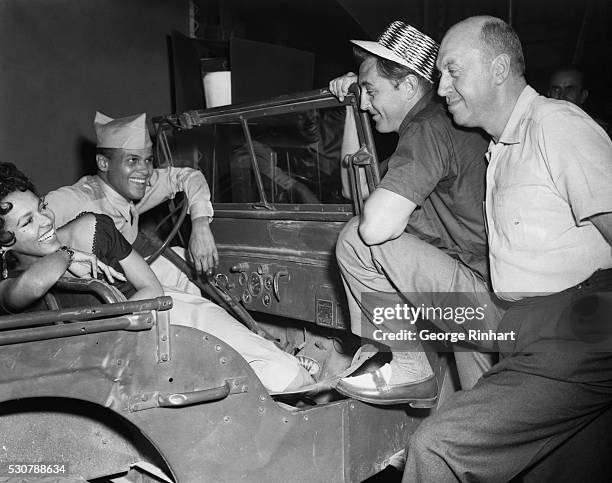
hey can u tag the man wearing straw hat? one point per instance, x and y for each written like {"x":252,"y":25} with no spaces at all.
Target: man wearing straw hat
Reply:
{"x":421,"y":236}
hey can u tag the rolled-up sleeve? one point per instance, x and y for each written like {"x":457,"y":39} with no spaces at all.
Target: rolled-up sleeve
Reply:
{"x":166,"y":182}
{"x":418,"y":164}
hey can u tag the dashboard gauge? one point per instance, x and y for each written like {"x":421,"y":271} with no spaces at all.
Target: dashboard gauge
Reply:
{"x":268,"y":282}
{"x":255,"y":284}
{"x":243,"y":279}
{"x":222,"y":280}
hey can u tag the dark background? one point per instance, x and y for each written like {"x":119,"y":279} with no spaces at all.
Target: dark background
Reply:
{"x":553,"y":32}
{"x":63,"y":59}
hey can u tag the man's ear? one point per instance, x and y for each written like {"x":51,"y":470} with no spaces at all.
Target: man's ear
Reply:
{"x":583,"y":96}
{"x":501,"y":68}
{"x":410,"y":84}
{"x":102,"y":162}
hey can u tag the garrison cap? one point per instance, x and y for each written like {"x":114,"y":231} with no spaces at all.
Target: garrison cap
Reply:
{"x":125,"y":133}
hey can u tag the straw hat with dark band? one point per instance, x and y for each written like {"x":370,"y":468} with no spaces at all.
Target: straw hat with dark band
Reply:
{"x":405,"y":45}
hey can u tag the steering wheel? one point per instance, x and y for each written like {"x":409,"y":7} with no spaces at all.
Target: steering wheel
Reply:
{"x":299,"y":191}
{"x":177,"y":225}
{"x":221,"y":297}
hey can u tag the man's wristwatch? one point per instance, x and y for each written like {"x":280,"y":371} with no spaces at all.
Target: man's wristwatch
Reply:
{"x":69,"y":251}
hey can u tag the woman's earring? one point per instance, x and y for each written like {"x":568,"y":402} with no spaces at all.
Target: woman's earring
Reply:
{"x":4,"y":269}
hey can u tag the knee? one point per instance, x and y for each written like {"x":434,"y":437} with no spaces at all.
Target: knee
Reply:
{"x":348,"y":240}
{"x":280,"y":372}
{"x":424,"y":440}
{"x":432,"y":455}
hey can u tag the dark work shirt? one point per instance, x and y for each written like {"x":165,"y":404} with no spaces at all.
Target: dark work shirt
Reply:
{"x":441,"y":168}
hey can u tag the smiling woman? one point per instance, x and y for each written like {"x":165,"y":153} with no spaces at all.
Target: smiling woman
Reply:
{"x":40,"y":254}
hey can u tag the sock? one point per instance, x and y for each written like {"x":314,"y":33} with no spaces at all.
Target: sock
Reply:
{"x":409,"y":367}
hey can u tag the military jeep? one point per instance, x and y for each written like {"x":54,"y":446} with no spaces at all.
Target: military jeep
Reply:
{"x":113,"y":392}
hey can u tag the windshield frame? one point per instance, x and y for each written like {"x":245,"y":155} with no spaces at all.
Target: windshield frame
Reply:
{"x":241,"y":114}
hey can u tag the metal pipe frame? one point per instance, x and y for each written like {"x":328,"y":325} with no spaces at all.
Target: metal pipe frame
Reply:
{"x":133,"y":322}
{"x":29,"y":319}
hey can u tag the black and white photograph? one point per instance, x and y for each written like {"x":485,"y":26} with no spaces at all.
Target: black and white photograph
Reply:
{"x":281,"y":241}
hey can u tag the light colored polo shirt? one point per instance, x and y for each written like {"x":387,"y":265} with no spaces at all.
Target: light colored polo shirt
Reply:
{"x":549,"y":172}
{"x":91,"y":193}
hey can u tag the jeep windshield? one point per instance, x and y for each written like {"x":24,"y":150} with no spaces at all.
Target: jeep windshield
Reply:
{"x":284,"y":155}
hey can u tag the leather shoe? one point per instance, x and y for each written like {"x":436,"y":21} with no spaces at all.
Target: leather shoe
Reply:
{"x":422,"y":393}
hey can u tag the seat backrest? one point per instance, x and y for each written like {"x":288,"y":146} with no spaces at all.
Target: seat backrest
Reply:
{"x":79,"y":292}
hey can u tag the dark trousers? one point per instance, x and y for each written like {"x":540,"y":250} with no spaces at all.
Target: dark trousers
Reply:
{"x":547,"y":386}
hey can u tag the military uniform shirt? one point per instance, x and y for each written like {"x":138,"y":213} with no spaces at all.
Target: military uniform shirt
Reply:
{"x":92,"y":194}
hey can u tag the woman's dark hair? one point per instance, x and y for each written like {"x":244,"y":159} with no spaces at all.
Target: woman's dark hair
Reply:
{"x":11,"y":180}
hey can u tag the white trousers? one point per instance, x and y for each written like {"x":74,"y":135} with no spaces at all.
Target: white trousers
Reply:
{"x":276,"y":369}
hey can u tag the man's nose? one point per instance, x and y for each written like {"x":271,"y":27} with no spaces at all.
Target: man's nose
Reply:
{"x":444,"y":85}
{"x":145,"y":166}
{"x":564,"y":94}
{"x":364,"y":103}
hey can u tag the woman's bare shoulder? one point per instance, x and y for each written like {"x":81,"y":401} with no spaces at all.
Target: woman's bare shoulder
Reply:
{"x":80,"y":232}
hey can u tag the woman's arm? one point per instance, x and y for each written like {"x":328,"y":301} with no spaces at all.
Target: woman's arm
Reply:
{"x":87,"y":265}
{"x":98,"y":233}
{"x":79,"y":234}
{"x":140,"y":275}
{"x":34,"y":282}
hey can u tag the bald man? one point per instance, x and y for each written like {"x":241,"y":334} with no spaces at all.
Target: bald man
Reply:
{"x":549,"y":217}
